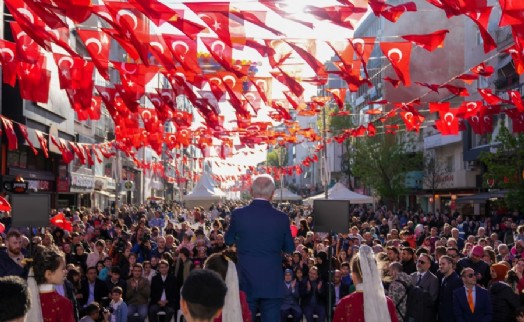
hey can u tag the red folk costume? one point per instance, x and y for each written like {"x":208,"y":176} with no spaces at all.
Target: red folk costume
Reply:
{"x":55,"y":307}
{"x":351,"y":309}
{"x":246,"y":313}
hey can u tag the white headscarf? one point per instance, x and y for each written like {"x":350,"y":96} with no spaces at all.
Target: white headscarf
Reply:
{"x":232,"y":311}
{"x":375,"y":304}
{"x":35,"y":312}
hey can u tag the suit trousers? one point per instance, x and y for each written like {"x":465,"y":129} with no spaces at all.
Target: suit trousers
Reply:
{"x":155,"y":308}
{"x":269,"y":309}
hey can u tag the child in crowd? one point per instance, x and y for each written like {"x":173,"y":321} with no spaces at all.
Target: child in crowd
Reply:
{"x":118,"y":306}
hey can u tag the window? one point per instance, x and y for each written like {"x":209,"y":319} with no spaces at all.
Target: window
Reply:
{"x":450,"y":166}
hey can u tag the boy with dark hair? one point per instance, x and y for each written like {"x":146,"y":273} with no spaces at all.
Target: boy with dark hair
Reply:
{"x":14,"y":299}
{"x":202,"y":296}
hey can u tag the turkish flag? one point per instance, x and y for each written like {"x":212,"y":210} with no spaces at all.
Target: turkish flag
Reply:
{"x":517,"y":119}
{"x":79,"y":152}
{"x":412,"y":120}
{"x":371,"y":129}
{"x":481,"y":18}
{"x":60,"y":221}
{"x":456,"y":90}
{"x":343,"y":49}
{"x":293,"y":85}
{"x":339,"y":95}
{"x":309,"y":58}
{"x":23,"y":129}
{"x":9,"y":64}
{"x":279,"y":8}
{"x":512,"y":12}
{"x":448,"y":124}
{"x":429,"y":42}
{"x":34,"y":82}
{"x":432,"y":87}
{"x":27,"y":50}
{"x":74,"y":72}
{"x":4,"y":206}
{"x":398,"y":54}
{"x":344,"y":16}
{"x":516,"y":99}
{"x":489,"y":97}
{"x":216,"y":16}
{"x":222,"y":53}
{"x":468,"y":109}
{"x":184,"y":50}
{"x":43,"y":142}
{"x":97,"y":46}
{"x":12,"y":141}
{"x":483,"y":70}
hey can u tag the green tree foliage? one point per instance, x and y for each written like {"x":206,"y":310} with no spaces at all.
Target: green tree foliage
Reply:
{"x":337,"y":125}
{"x":433,"y":172}
{"x":277,"y":157}
{"x":506,"y":167}
{"x":381,"y":162}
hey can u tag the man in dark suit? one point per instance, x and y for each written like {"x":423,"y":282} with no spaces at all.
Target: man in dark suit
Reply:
{"x":163,"y":294}
{"x":449,"y":280}
{"x":261,"y":233}
{"x":471,"y":303}
{"x":290,"y":305}
{"x":429,"y":283}
{"x":93,"y":289}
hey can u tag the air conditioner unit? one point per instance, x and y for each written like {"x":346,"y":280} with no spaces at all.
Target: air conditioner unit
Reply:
{"x":472,"y":165}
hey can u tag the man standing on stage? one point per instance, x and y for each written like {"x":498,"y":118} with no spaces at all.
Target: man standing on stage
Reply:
{"x":261,"y":233}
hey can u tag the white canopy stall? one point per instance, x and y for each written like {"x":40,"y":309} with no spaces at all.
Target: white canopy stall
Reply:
{"x":204,"y":194}
{"x":285,"y":194}
{"x":340,"y":192}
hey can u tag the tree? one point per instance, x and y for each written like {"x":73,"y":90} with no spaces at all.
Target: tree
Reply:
{"x":382,"y":162}
{"x":433,"y":172}
{"x":338,"y":124}
{"x":277,"y":157}
{"x":505,"y":167}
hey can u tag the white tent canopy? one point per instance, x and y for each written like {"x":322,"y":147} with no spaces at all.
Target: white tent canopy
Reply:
{"x":340,"y":192}
{"x":285,"y":194}
{"x":205,"y":193}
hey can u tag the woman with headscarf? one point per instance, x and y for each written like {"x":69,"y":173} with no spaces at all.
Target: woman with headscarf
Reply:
{"x":505,"y":302}
{"x":368,"y":302}
{"x":236,"y":308}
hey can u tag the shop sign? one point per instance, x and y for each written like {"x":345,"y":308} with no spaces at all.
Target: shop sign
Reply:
{"x":82,"y":182}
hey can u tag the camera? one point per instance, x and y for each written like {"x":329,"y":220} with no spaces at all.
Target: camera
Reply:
{"x":106,"y":310}
{"x":146,"y":238}
{"x":120,"y":245}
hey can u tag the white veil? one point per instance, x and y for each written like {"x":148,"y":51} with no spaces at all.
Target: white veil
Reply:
{"x":375,"y":305}
{"x":232,"y":311}
{"x":35,"y":312}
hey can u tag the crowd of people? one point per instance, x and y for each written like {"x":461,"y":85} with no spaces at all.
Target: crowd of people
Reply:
{"x":133,"y":264}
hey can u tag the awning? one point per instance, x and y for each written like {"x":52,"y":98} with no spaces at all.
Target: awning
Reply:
{"x":105,"y":193}
{"x":504,"y":61}
{"x":482,"y":198}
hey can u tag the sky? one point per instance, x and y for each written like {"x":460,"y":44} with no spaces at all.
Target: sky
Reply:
{"x":322,"y":31}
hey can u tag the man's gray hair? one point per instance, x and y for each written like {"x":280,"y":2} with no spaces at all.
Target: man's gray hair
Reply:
{"x":263,"y":186}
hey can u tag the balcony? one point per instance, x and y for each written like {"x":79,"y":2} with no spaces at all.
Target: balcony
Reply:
{"x":438,"y":140}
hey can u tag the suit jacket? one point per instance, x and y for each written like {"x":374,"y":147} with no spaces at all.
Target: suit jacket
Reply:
{"x":483,"y":309}
{"x":169,"y":285}
{"x":100,"y":292}
{"x":291,"y":298}
{"x":445,"y":297}
{"x":260,"y":233}
{"x":429,"y":283}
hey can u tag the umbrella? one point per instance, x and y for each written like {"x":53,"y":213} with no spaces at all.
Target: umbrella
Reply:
{"x":4,"y":204}
{"x":60,"y":221}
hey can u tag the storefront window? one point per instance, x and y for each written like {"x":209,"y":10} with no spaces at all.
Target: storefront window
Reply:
{"x":23,"y":158}
{"x":13,"y":158}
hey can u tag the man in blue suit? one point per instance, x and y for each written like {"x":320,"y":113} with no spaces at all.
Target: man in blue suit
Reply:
{"x":261,"y":233}
{"x":471,"y":303}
